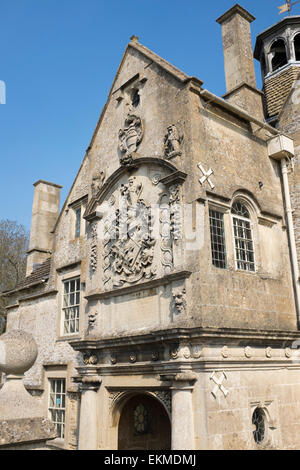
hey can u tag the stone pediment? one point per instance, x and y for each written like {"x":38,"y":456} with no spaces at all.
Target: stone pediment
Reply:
{"x":171,"y":176}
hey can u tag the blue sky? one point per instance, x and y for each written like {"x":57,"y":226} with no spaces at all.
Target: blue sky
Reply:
{"x":58,"y":60}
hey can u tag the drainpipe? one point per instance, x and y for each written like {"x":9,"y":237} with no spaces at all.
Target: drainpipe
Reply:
{"x":291,"y":232}
{"x":281,"y":148}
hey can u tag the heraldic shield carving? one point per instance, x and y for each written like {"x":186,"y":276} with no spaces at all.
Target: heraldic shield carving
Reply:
{"x":128,"y":242}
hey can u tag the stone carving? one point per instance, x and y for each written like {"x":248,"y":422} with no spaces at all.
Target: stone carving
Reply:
{"x":97,"y":182}
{"x":165,"y":232}
{"x":165,"y":397}
{"x":129,"y":255}
{"x":172,"y":142}
{"x":92,"y":317}
{"x":114,"y":397}
{"x":109,"y":233}
{"x":94,"y":247}
{"x":129,"y":138}
{"x":196,"y":350}
{"x":269,"y":352}
{"x":225,"y":351}
{"x":90,"y":358}
{"x":132,"y":357}
{"x":288,"y":352}
{"x":175,"y":212}
{"x":113,"y":358}
{"x":174,"y":353}
{"x":248,"y":352}
{"x":206,"y":176}
{"x":179,"y":300}
{"x":155,"y":356}
{"x":219,"y":384}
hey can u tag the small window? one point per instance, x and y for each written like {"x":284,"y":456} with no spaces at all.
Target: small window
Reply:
{"x":242,"y":231}
{"x":258,"y":420}
{"x":57,"y":404}
{"x":279,"y":56}
{"x":135,"y":101}
{"x":77,"y":222}
{"x":71,"y":302}
{"x":217,"y":236}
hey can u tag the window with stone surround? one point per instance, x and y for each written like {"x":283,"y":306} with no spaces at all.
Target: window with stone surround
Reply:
{"x":258,"y":421}
{"x":217,"y":237}
{"x":79,"y":228}
{"x":71,"y":306}
{"x":57,"y":404}
{"x":243,"y":239}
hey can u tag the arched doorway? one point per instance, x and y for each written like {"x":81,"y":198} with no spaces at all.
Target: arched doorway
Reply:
{"x":144,"y":425}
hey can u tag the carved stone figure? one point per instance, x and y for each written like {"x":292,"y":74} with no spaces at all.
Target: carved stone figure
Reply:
{"x":130,"y":137}
{"x":172,"y":142}
{"x":97,"y":182}
{"x":179,"y":299}
{"x":92,"y":317}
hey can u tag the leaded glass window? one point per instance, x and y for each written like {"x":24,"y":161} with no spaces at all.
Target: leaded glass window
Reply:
{"x":258,"y":419}
{"x":217,"y":237}
{"x":244,"y":250}
{"x":141,"y":419}
{"x":71,"y":302}
{"x":57,"y":405}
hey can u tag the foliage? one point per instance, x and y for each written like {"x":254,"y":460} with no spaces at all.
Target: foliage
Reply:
{"x":13,"y":246}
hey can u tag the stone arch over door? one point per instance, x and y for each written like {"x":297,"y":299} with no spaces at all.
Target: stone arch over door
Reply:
{"x":143,"y":423}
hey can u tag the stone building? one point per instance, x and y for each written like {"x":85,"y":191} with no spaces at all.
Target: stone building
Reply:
{"x":164,"y":296}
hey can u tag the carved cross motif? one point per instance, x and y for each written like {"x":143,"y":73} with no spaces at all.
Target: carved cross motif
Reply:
{"x":206,"y":175}
{"x":218,"y":382}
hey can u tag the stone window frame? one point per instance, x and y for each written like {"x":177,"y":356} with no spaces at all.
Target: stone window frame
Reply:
{"x":67,"y":274}
{"x":270,"y":411}
{"x":219,"y":210}
{"x":75,"y":305}
{"x":58,"y":372}
{"x":80,"y":204}
{"x":244,"y":220}
{"x":225,"y":208}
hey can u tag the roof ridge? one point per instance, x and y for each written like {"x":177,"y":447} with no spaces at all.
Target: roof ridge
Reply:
{"x":157,"y":58}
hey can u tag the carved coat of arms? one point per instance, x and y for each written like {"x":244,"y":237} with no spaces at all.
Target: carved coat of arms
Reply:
{"x":129,"y":256}
{"x":130,"y":137}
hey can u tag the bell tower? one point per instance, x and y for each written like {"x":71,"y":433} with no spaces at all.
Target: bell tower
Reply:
{"x":278,"y":51}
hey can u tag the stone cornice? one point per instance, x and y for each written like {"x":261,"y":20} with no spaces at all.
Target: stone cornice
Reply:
{"x":177,"y":335}
{"x":138,"y":287}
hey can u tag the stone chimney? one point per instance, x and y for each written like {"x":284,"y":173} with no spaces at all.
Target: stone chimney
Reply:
{"x":238,"y":60}
{"x":45,"y":211}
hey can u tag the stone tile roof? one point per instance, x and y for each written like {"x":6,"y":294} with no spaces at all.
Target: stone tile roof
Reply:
{"x":39,"y":274}
{"x":277,"y":89}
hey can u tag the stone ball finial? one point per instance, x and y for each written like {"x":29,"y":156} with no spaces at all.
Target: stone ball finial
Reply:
{"x":18,"y":352}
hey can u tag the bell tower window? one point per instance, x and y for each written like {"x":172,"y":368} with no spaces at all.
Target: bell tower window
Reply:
{"x":297,"y":47}
{"x":279,"y":55}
